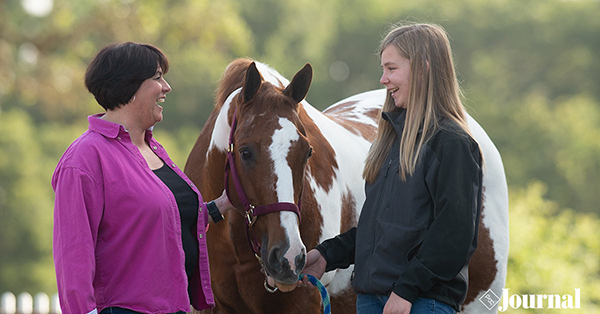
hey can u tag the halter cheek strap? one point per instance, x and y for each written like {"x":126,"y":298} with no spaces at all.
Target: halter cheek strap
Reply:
{"x":252,"y":212}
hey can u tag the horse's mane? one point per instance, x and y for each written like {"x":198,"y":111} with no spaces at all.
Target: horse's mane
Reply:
{"x":232,"y":79}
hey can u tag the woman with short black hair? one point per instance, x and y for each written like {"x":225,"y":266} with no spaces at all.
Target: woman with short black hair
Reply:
{"x":129,"y":226}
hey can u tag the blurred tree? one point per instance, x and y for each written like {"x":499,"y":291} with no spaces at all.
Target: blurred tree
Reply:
{"x":528,"y":68}
{"x":29,"y":155}
{"x":558,"y":253}
{"x":43,"y":59}
{"x":555,"y":141}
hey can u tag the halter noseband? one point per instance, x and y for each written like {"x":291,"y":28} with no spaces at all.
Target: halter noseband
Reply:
{"x":252,"y":212}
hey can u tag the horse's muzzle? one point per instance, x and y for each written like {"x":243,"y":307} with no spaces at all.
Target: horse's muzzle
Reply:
{"x":283,"y":265}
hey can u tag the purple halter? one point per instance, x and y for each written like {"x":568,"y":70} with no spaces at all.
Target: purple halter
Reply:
{"x":252,"y":212}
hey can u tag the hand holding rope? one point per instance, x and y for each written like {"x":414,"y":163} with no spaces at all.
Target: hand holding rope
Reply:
{"x":322,"y":291}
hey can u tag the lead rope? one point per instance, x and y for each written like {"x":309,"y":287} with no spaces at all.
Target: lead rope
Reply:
{"x":322,"y":291}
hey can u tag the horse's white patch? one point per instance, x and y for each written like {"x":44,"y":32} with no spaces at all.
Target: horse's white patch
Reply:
{"x":350,"y":150}
{"x":271,"y":75}
{"x":279,"y":150}
{"x":220,"y":134}
{"x":495,"y":210}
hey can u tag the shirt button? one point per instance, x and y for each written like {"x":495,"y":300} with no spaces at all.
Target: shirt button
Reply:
{"x":173,"y":165}
{"x":154,"y":147}
{"x":119,"y":138}
{"x":200,"y":236}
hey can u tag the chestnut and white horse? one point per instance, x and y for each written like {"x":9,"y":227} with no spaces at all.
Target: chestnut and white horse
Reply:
{"x":285,"y":155}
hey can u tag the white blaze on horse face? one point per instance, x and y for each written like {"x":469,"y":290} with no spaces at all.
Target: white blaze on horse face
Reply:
{"x":279,"y":149}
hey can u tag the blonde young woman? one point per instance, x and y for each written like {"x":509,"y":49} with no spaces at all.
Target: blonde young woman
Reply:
{"x":418,"y":227}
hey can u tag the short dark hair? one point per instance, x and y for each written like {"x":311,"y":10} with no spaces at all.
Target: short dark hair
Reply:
{"x":118,"y":71}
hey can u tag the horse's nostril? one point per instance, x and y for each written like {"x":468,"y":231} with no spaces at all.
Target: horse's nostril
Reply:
{"x":300,"y":262}
{"x":274,"y":259}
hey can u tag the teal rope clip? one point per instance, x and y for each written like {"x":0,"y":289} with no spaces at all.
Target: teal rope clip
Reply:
{"x":322,"y":291}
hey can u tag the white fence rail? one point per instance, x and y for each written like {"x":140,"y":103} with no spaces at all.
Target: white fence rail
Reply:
{"x":24,"y":303}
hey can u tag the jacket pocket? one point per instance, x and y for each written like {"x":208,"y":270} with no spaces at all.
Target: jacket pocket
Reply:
{"x":395,"y":245}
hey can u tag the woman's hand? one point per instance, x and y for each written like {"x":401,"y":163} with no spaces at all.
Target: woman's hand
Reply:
{"x":315,"y":266}
{"x":223,"y":203}
{"x":397,"y":305}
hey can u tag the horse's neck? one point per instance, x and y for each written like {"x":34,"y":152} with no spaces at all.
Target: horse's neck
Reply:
{"x":312,"y":116}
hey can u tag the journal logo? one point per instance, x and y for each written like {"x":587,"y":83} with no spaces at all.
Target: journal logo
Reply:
{"x":531,"y":301}
{"x":489,"y":299}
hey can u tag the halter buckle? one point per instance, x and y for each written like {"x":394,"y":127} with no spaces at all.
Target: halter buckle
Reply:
{"x":250,"y":217}
{"x":230,"y":148}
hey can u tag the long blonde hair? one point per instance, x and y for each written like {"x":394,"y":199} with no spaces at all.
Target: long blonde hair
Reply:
{"x":434,"y":94}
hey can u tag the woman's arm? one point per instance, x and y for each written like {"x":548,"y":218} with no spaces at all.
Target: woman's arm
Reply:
{"x":78,"y":210}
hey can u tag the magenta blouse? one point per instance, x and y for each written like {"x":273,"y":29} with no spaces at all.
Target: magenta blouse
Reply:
{"x":117,"y":232}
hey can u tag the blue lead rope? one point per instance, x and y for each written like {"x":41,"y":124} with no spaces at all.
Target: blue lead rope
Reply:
{"x":322,"y":291}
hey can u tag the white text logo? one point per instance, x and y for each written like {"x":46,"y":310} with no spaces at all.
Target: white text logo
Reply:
{"x":537,"y":301}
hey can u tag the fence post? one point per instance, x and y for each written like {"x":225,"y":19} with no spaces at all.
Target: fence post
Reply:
{"x":24,"y":303}
{"x":55,"y":305}
{"x":8,"y":303}
{"x":41,"y":303}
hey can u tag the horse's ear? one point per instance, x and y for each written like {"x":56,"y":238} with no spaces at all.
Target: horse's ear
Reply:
{"x":300,"y":84}
{"x":252,"y":82}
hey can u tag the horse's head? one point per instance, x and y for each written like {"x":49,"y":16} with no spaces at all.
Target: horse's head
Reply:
{"x":270,"y":152}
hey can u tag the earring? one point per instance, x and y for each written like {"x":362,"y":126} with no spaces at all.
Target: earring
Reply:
{"x":132,"y":99}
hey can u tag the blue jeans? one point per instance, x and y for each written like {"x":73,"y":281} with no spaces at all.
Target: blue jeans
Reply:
{"x":374,"y":304}
{"x":119,"y":310}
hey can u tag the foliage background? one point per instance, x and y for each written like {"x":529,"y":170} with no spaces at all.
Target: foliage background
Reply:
{"x":529,"y":69}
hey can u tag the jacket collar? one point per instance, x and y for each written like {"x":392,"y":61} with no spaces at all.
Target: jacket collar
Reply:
{"x":396,"y":118}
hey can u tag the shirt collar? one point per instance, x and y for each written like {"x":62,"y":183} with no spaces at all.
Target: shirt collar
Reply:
{"x":111,"y":129}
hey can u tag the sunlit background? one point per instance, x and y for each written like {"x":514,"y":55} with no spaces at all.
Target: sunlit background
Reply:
{"x":529,"y":69}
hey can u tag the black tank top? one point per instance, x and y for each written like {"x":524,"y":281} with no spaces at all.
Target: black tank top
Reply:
{"x":187,"y":202}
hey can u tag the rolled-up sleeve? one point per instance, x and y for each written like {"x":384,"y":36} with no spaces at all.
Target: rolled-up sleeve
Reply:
{"x":78,"y":210}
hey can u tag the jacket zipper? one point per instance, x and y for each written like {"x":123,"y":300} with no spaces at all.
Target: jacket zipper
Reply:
{"x":378,"y":207}
{"x":388,"y":169}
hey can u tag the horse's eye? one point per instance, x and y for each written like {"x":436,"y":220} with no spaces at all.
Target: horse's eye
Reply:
{"x":245,"y":154}
{"x":310,"y":152}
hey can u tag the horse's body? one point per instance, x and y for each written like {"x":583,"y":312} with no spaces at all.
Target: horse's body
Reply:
{"x":329,"y":184}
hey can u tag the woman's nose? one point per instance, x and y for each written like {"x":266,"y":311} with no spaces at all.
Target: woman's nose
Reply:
{"x":383,"y":80}
{"x":166,"y":87}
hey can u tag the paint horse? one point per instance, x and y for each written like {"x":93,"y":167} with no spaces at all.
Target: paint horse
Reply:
{"x":295,"y":177}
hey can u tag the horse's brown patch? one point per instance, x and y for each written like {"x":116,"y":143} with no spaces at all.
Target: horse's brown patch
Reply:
{"x":344,"y":302}
{"x":323,"y":163}
{"x":344,"y":115}
{"x":483,"y":266}
{"x":312,"y":220}
{"x":231,"y":80}
{"x":348,"y":212}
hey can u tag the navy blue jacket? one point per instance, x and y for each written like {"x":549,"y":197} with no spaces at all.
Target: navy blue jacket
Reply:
{"x":416,"y":237}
